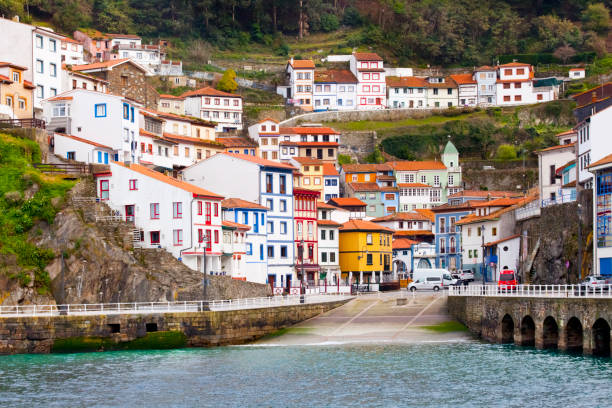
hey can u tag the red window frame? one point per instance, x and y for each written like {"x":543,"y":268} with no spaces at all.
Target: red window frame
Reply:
{"x":154,"y":211}
{"x":200,"y":235}
{"x":216,"y":209}
{"x":506,"y":98}
{"x":216,"y":236}
{"x":177,"y":210}
{"x":199,"y":208}
{"x":520,"y":71}
{"x":517,"y":85}
{"x":366,"y":76}
{"x":236,"y":102}
{"x":508,"y":71}
{"x":208,"y":213}
{"x":142,"y":147}
{"x":150,"y":149}
{"x":518,"y":98}
{"x":540,"y":97}
{"x":177,"y":237}
{"x":133,"y":185}
{"x":151,"y":237}
{"x":102,"y":190}
{"x":208,"y":242}
{"x":375,"y":76}
{"x":507,"y":85}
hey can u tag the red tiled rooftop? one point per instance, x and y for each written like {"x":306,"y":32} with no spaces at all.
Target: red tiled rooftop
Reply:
{"x":209,"y":91}
{"x":367,"y":56}
{"x":240,"y":203}
{"x":361,"y":225}
{"x":347,"y":202}
{"x":417,"y":165}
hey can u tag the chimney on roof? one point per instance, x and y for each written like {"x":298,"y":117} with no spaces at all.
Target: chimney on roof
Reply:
{"x":593,"y":96}
{"x":16,"y":18}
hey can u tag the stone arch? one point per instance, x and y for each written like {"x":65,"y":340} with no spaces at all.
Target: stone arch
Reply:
{"x":424,"y":264}
{"x":507,"y":329}
{"x":574,"y":335}
{"x":527,"y":331}
{"x":550,"y":333}
{"x":601,"y":338}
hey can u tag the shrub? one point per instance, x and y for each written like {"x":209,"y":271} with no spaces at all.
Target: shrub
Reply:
{"x":344,"y":159}
{"x":329,"y":22}
{"x":506,"y":152}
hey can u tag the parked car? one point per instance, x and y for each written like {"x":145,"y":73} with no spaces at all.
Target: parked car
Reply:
{"x":466,"y":275}
{"x":457,"y":281}
{"x":507,"y":281}
{"x":423,"y":273}
{"x":429,"y":283}
{"x":593,"y":284}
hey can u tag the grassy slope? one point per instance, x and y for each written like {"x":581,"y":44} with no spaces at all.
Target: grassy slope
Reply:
{"x":18,"y":214}
{"x":380,"y":125}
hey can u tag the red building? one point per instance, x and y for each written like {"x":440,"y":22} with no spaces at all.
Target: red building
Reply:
{"x":306,"y":234}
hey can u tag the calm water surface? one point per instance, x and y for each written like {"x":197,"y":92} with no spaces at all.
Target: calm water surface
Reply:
{"x":425,"y":375}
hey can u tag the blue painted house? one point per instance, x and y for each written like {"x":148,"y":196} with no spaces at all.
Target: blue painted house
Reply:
{"x":255,"y":216}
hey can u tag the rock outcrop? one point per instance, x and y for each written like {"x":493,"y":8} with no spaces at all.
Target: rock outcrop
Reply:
{"x":100,"y":264}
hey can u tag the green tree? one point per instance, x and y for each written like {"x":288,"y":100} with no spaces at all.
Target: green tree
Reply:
{"x":506,"y":152}
{"x":228,"y":81}
{"x":10,"y":8}
{"x":596,"y":17}
{"x":329,"y":22}
{"x":375,"y":157}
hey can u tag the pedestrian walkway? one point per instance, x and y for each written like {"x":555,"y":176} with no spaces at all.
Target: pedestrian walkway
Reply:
{"x":375,"y":318}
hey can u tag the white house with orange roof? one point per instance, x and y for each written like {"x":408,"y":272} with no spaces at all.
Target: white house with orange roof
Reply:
{"x":514,"y":84}
{"x":331,"y":182}
{"x":167,"y":213}
{"x":73,"y":80}
{"x":106,"y":119}
{"x":220,"y":107}
{"x":372,"y":87}
{"x":602,"y":216}
{"x":329,"y":246}
{"x":550,"y":183}
{"x":234,"y":250}
{"x":577,"y":73}
{"x":171,"y":104}
{"x":468,"y":89}
{"x":309,"y":140}
{"x":82,"y":150}
{"x":264,"y":182}
{"x":406,"y":92}
{"x":299,"y":83}
{"x":266,"y":133}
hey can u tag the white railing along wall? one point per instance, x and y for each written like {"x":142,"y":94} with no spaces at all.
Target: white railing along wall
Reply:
{"x":543,"y":291}
{"x":167,"y":307}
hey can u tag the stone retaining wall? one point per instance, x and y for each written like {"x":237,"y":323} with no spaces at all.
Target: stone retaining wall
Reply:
{"x":202,"y":329}
{"x":484,"y":317}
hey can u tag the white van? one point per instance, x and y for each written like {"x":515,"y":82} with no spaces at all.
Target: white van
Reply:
{"x":422,"y":275}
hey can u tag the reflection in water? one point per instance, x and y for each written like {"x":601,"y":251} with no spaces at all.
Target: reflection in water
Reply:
{"x":423,"y":375}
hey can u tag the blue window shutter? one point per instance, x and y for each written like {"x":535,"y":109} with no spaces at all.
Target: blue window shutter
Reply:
{"x":261,"y":253}
{"x":132,"y":112}
{"x":99,"y":157}
{"x":605,"y":266}
{"x":105,"y":158}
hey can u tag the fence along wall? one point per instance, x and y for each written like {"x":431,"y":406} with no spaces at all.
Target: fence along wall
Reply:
{"x":198,"y":329}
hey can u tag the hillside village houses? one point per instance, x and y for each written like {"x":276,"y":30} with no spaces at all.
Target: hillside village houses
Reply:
{"x":223,"y":108}
{"x":602,"y":216}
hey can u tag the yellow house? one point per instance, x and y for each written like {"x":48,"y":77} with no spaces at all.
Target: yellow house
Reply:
{"x":15,"y":92}
{"x":310,"y":174}
{"x":365,"y":251}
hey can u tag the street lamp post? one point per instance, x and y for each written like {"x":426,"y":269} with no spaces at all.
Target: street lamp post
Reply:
{"x":484,"y":267}
{"x":579,"y":245}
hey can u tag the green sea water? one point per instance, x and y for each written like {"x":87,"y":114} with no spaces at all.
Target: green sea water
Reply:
{"x":463,"y":374}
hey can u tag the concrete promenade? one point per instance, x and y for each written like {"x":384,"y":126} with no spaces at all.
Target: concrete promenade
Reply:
{"x":375,"y":318}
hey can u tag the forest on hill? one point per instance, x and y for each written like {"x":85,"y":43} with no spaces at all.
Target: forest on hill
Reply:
{"x":450,"y":32}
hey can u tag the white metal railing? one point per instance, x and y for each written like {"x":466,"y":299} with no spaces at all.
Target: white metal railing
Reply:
{"x":530,"y":210}
{"x":544,"y":291}
{"x":167,"y":307}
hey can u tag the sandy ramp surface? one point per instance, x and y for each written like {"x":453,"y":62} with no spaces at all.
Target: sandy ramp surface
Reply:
{"x":375,"y":318}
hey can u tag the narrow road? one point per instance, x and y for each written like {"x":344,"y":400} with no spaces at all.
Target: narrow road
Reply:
{"x":375,"y":318}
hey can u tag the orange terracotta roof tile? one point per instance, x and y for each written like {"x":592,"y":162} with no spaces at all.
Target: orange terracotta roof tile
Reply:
{"x":403,"y":243}
{"x":321,"y":204}
{"x":5,"y":79}
{"x":339,"y":76}
{"x":236,"y":142}
{"x":61,"y":98}
{"x":567,"y":132}
{"x":268,"y":119}
{"x":369,"y":186}
{"x":192,"y":140}
{"x":11,"y":65}
{"x":100,"y":65}
{"x":463,"y":79}
{"x":366,"y":168}
{"x":406,"y":82}
{"x":367,"y":56}
{"x":402,"y":216}
{"x":499,"y":241}
{"x":430,"y":215}
{"x":27,"y":84}
{"x":171,"y":181}
{"x":548,"y":149}
{"x":308,"y":161}
{"x":240,"y":203}
{"x":606,"y":160}
{"x":328,"y":223}
{"x":417,"y":165}
{"x":509,"y":81}
{"x":498,"y":202}
{"x":302,"y":64}
{"x":577,"y":69}
{"x":234,"y":225}
{"x":514,"y":64}
{"x":329,"y":170}
{"x":208,"y":91}
{"x":361,"y":225}
{"x":167,"y":96}
{"x":347,"y":202}
{"x":485,"y":193}
{"x":310,"y":144}
{"x":260,"y":161}
{"x":82,"y":140}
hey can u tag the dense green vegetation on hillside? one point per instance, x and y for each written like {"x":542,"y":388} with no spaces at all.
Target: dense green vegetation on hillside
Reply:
{"x":26,"y":197}
{"x":493,"y":133}
{"x":435,"y":31}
